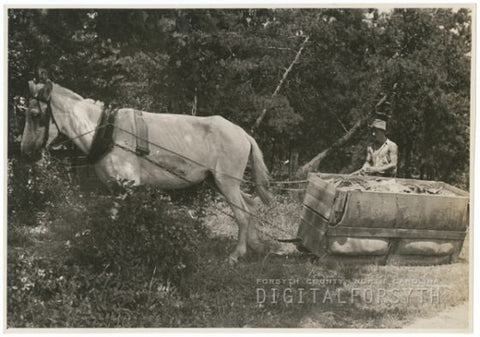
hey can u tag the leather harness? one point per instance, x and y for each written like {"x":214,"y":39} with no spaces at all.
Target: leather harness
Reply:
{"x":103,"y":138}
{"x":103,"y":141}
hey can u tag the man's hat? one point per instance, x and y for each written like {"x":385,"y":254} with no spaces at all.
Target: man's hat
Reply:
{"x":379,"y":124}
{"x":380,"y":121}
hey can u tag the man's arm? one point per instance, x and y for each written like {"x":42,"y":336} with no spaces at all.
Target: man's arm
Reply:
{"x":368,"y":160}
{"x":393,"y":153}
{"x":368,"y":163}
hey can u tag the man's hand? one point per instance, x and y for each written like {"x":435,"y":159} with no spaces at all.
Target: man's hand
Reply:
{"x":370,"y":152}
{"x":370,"y":169}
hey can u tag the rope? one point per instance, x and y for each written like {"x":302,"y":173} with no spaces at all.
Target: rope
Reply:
{"x":289,"y":189}
{"x":190,"y":182}
{"x":289,"y":182}
{"x":233,"y":217}
{"x":179,"y":175}
{"x":81,"y":135}
{"x":204,"y":166}
{"x":186,"y":158}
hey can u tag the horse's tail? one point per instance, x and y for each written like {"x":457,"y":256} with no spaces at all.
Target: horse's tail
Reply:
{"x":260,"y":171}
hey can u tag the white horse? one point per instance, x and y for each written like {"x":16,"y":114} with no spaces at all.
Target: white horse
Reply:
{"x":192,"y":148}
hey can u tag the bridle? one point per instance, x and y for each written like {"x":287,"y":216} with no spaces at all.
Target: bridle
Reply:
{"x":49,"y":115}
{"x":103,"y":131}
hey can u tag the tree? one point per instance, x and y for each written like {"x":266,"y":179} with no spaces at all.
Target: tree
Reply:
{"x":229,"y":62}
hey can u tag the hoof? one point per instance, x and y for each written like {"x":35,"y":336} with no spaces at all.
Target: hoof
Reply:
{"x":232,"y":260}
{"x":257,"y":247}
{"x":301,"y":248}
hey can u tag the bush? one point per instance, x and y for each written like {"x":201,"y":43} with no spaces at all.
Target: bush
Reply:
{"x":34,"y":188}
{"x":100,"y":255}
{"x":140,"y":227}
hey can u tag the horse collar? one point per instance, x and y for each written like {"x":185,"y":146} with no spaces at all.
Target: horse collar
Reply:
{"x":102,"y":142}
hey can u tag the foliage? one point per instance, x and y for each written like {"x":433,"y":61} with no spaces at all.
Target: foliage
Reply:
{"x":139,"y":228}
{"x":33,"y":190}
{"x":139,"y":258}
{"x":432,"y":72}
{"x":229,"y":62}
{"x":101,"y":247}
{"x":49,"y":294}
{"x":93,"y":262}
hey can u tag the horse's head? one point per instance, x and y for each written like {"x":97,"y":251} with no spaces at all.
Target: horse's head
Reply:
{"x":37,"y":121}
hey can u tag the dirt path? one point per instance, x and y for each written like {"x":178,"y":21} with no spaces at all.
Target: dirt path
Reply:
{"x":454,"y":318}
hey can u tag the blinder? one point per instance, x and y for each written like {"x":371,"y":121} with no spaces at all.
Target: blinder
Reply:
{"x":43,"y":96}
{"x":44,"y":118}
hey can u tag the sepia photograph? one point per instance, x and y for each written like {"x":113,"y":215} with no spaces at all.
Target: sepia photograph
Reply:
{"x":262,"y":167}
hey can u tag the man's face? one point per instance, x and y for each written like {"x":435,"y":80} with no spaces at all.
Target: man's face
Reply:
{"x":378,"y":135}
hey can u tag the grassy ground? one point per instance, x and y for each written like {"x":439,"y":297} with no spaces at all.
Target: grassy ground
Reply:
{"x":338,"y":295}
{"x":286,"y":290}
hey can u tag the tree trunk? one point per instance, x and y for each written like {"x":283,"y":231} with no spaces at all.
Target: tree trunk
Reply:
{"x":315,"y":162}
{"x":293,"y":165}
{"x":194,"y":104}
{"x":272,"y":154}
{"x":279,"y":86}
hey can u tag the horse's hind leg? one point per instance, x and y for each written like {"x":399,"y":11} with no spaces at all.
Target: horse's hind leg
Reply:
{"x":253,"y":240}
{"x":231,"y":192}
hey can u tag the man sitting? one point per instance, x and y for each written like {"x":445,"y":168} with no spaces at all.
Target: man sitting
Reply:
{"x":382,"y":157}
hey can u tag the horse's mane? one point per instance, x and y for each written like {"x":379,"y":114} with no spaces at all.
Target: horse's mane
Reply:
{"x":94,"y":102}
{"x":67,"y":92}
{"x":70,"y":94}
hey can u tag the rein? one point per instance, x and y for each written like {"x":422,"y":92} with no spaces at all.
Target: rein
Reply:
{"x":102,"y":141}
{"x":49,"y":114}
{"x":102,"y":144}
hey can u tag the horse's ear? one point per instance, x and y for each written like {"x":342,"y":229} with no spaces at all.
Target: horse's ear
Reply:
{"x":40,"y":91}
